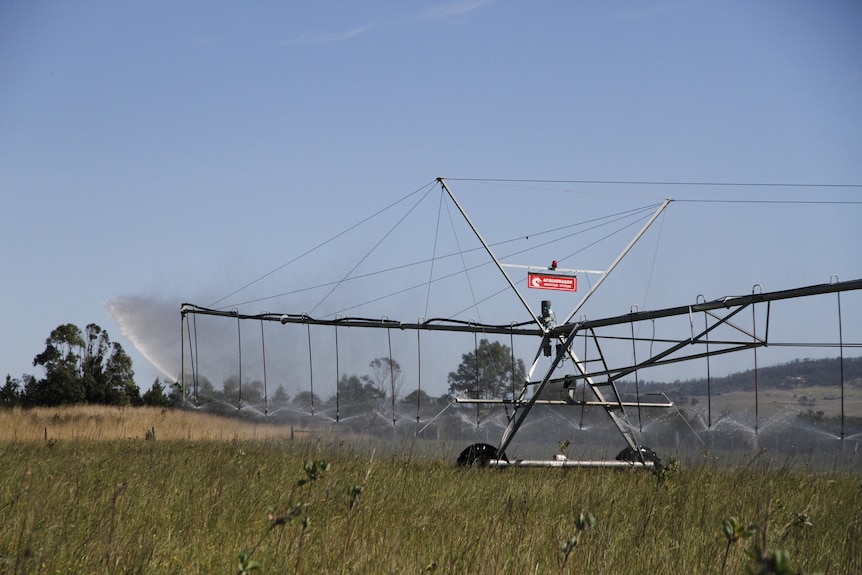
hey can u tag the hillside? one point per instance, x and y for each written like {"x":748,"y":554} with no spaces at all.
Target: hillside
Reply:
{"x":798,"y":374}
{"x":795,"y":387}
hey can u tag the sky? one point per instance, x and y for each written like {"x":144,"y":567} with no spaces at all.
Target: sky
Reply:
{"x":158,"y":153}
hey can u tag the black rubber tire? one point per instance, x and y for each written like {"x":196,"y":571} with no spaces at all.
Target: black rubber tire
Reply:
{"x":478,"y":455}
{"x":642,"y":455}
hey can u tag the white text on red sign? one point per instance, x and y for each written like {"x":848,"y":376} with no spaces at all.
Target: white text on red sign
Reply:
{"x":552,"y":282}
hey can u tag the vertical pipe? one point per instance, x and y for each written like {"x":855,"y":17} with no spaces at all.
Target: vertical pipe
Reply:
{"x":841,"y":361}
{"x":239,"y":339}
{"x":476,"y":352}
{"x":263,"y":348}
{"x":195,"y":361}
{"x":193,"y":356}
{"x":756,"y":386}
{"x":512,"y":349}
{"x":634,"y":308}
{"x":708,"y":374}
{"x":337,"y":375}
{"x":391,"y":375}
{"x":419,"y":375}
{"x":310,"y":367}
{"x":584,"y":389}
{"x":182,"y":354}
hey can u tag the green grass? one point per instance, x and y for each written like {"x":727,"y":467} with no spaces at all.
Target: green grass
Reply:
{"x":134,"y":506}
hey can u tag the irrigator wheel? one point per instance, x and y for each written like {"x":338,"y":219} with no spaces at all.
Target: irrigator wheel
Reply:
{"x":478,"y":455}
{"x":644,"y":454}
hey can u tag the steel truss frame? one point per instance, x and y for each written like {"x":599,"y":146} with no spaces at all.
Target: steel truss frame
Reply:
{"x":561,"y":337}
{"x":718,"y":313}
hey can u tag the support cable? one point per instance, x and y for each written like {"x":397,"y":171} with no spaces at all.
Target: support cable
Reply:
{"x":434,"y":253}
{"x":464,"y":266}
{"x":605,"y":237}
{"x":654,"y":258}
{"x":642,"y":213}
{"x":672,"y":183}
{"x":367,"y":255}
{"x":320,"y":245}
{"x":569,"y":256}
{"x":613,"y":218}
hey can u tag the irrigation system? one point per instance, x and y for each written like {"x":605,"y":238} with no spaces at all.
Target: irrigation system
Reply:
{"x":714,"y":329}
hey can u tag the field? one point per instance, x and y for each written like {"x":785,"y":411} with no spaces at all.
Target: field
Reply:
{"x":102,"y":495}
{"x":102,"y":422}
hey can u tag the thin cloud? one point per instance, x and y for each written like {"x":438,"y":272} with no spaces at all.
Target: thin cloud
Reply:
{"x":334,"y":37}
{"x":455,"y":9}
{"x":661,"y":9}
{"x":215,"y":39}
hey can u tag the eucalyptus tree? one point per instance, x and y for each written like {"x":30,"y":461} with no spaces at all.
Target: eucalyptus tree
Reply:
{"x":487,"y":372}
{"x":82,"y":367}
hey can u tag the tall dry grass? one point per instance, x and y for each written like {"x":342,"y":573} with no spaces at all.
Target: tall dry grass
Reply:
{"x":99,"y":422}
{"x":79,"y":505}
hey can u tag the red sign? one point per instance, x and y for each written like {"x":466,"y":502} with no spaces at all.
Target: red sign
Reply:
{"x":552,"y":281}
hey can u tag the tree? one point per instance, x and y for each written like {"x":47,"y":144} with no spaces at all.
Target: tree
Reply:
{"x":176,"y":394}
{"x":231,"y":389}
{"x":421,"y":401}
{"x":487,"y":372}
{"x":199,"y":390}
{"x":280,"y":396}
{"x":354,"y":389}
{"x":118,"y":378}
{"x":417,"y":396}
{"x":82,"y":367}
{"x":387,"y":374}
{"x":252,"y":391}
{"x":248,"y":392}
{"x":62,"y":361}
{"x":156,"y":396}
{"x":107,"y":370}
{"x":10,"y":394}
{"x":306,"y":400}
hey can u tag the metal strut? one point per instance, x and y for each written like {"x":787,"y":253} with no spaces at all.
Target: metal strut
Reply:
{"x":566,"y":338}
{"x":490,"y":253}
{"x":564,"y":334}
{"x":731,"y":305}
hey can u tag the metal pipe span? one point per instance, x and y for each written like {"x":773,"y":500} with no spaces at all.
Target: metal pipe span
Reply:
{"x":443,"y":324}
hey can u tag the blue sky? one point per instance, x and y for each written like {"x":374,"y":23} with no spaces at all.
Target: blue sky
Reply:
{"x":167,"y":152}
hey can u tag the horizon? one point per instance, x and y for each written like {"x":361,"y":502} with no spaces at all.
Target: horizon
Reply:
{"x":150,"y":156}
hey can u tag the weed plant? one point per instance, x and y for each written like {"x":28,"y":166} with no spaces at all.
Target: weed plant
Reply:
{"x":330,"y":506}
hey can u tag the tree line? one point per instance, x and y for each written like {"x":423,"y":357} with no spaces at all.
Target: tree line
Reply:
{"x":487,"y":371}
{"x":85,"y":366}
{"x":81,"y":366}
